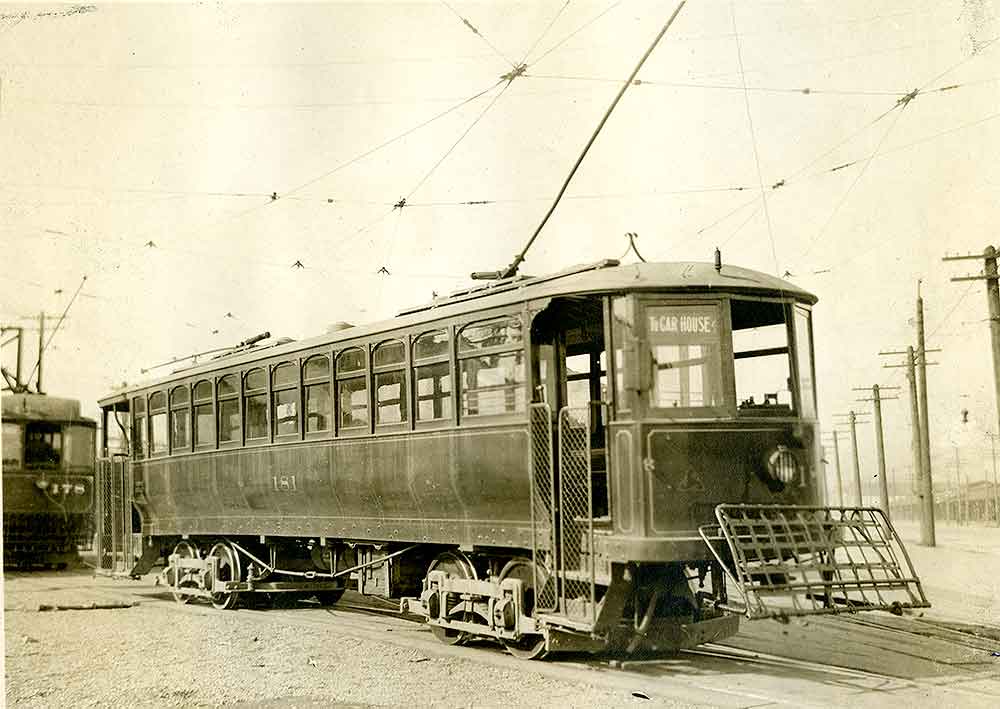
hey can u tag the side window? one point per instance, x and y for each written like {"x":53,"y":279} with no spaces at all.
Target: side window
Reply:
{"x":158,"y":423}
{"x":139,"y":427}
{"x":228,"y":393}
{"x":180,"y":419}
{"x":285,"y":399}
{"x":316,"y":385}
{"x":352,"y":388}
{"x":13,"y":445}
{"x":204,"y":421}
{"x":389,"y":367}
{"x":491,"y":367}
{"x":432,"y":376}
{"x":255,"y":404}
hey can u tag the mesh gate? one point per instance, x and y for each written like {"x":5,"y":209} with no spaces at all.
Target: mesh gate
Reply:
{"x":114,"y":516}
{"x":543,"y":528}
{"x":797,"y":560}
{"x":576,"y":532}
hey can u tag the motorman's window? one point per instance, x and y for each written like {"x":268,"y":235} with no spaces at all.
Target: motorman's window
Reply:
{"x":388,"y":363}
{"x":352,"y":388}
{"x":285,"y":399}
{"x":316,"y":379}
{"x":43,"y":445}
{"x":255,"y":404}
{"x":761,"y":358}
{"x":180,"y":419}
{"x":139,"y":427}
{"x":204,"y":426}
{"x":79,"y":446}
{"x":684,"y":356}
{"x":158,"y":423}
{"x":229,"y":409}
{"x":432,"y":375}
{"x":492,"y":379}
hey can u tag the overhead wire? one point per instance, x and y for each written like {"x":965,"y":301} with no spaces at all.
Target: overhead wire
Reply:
{"x":753,"y":138}
{"x":575,"y":32}
{"x":479,"y":34}
{"x":544,"y":32}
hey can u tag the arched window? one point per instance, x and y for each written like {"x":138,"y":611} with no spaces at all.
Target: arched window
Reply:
{"x":491,"y":367}
{"x":204,"y":421}
{"x":139,"y":427}
{"x":316,"y":384}
{"x":228,"y":393}
{"x":285,"y":399}
{"x":432,"y":376}
{"x":352,"y":389}
{"x":158,"y":423}
{"x":389,"y":367}
{"x":255,"y":404}
{"x":180,"y":419}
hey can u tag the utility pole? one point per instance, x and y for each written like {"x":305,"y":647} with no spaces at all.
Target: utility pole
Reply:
{"x":996,"y":490}
{"x":921,"y":475}
{"x":925,"y":434}
{"x":852,"y":420}
{"x":961,"y":512}
{"x":836,"y":462}
{"x":877,"y":399}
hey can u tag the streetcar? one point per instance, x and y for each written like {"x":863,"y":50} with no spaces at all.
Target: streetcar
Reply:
{"x":608,"y":458}
{"x":48,"y":480}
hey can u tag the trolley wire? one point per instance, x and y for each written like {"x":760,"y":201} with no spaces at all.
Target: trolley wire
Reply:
{"x":575,"y":32}
{"x":58,"y":325}
{"x":753,"y":137}
{"x":544,"y":32}
{"x":479,"y":34}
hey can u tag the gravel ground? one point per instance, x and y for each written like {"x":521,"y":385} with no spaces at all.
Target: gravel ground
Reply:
{"x":159,"y":655}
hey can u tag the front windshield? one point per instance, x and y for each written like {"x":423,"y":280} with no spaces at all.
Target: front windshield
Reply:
{"x":761,"y":358}
{"x":685,"y":360}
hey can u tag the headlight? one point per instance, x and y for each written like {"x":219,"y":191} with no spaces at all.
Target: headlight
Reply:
{"x":783,"y":465}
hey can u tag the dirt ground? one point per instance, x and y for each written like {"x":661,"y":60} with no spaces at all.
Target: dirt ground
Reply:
{"x":160,"y":654}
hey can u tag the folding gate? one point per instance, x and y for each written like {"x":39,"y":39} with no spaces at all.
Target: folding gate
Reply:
{"x":115,"y":552}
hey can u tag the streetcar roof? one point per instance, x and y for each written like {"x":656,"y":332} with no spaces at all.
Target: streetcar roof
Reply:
{"x":42,"y":407}
{"x":602,"y":277}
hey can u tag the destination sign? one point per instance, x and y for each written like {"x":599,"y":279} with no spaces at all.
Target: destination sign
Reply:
{"x":683,"y":323}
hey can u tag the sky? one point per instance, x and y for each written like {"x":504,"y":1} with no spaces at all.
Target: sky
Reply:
{"x":181,"y":158}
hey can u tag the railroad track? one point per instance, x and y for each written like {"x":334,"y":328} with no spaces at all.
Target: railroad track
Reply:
{"x":943,"y":665}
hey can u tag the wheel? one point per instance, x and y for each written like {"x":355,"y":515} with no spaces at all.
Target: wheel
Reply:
{"x":526,"y":647}
{"x":457,"y":564}
{"x":184,"y":550}
{"x":229,"y":570}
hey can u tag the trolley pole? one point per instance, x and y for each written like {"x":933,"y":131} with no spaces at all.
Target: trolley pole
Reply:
{"x":41,"y":347}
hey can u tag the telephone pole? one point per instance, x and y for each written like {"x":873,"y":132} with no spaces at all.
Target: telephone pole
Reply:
{"x":836,"y":462}
{"x":877,"y":399}
{"x":922,"y":475}
{"x":852,"y":419}
{"x":989,"y":274}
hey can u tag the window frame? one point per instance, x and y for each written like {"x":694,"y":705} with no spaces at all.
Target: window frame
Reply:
{"x":150,"y":413}
{"x":365,"y":375}
{"x":643,"y":403}
{"x":196,"y":445}
{"x":246,"y":393}
{"x":172,"y":409}
{"x":140,"y":449}
{"x":788,"y":310}
{"x":415,"y":363}
{"x":522,"y":348}
{"x":274,"y":390}
{"x":218,"y":399}
{"x":307,"y":383}
{"x":404,"y":395}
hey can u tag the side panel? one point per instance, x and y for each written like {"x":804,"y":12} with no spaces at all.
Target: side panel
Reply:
{"x":470,"y":486}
